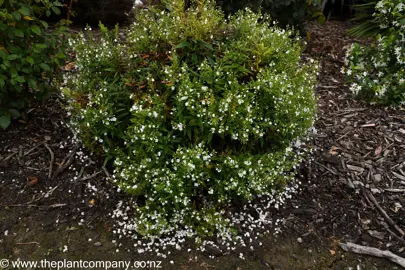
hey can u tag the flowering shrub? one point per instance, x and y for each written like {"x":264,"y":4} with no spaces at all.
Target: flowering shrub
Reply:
{"x":29,"y":55}
{"x":377,"y":72}
{"x":194,"y":110}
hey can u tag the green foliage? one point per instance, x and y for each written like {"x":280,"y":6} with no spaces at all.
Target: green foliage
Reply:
{"x":369,"y":26}
{"x":377,"y":72}
{"x":285,"y":12}
{"x":29,"y":54}
{"x":195,"y":111}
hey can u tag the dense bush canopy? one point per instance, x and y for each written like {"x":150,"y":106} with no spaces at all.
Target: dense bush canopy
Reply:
{"x":195,"y":110}
{"x":29,"y":55}
{"x":377,"y":72}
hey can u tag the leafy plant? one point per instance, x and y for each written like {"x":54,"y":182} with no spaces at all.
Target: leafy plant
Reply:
{"x":377,"y":72}
{"x":30,"y":55}
{"x":195,"y":111}
{"x":285,"y":12}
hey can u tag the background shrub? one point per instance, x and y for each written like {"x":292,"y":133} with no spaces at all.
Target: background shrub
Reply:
{"x":194,"y":110}
{"x":29,"y":55}
{"x":285,"y":12}
{"x":377,"y":72}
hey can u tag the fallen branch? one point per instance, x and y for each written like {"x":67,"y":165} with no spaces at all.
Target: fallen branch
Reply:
{"x":38,"y":206}
{"x":66,"y":161}
{"x":52,"y":159}
{"x":383,"y":213}
{"x":395,"y":190}
{"x":32,"y":149}
{"x":106,"y":172}
{"x":358,"y":249}
{"x":28,"y":243}
{"x":326,"y":168}
{"x":10,"y":156}
{"x":91,"y":176}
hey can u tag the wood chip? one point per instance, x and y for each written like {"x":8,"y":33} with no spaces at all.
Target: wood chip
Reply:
{"x":355,"y":168}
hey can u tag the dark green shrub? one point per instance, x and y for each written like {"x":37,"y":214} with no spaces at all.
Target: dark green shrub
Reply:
{"x":29,"y":54}
{"x":376,"y":72}
{"x":285,"y":12}
{"x":194,"y":110}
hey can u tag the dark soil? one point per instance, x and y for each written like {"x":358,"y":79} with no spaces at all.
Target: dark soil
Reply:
{"x":358,"y":150}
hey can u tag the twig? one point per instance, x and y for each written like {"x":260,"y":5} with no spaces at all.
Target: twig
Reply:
{"x":91,"y":176}
{"x":38,"y":206}
{"x":28,"y":243}
{"x":52,"y":159}
{"x":66,"y":161}
{"x":46,"y":195}
{"x":326,"y":168}
{"x":10,"y":156}
{"x":391,"y":232}
{"x":358,"y":249}
{"x":344,"y":135}
{"x":106,"y":172}
{"x":368,"y":125}
{"x":383,"y":213}
{"x":395,"y":190}
{"x":32,"y":149}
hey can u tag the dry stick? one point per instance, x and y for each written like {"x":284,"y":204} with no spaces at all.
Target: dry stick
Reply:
{"x":28,"y":243}
{"x":66,"y":161}
{"x":383,"y":213}
{"x":106,"y":172}
{"x":391,"y":232}
{"x":10,"y":156}
{"x":38,"y":206}
{"x":350,"y":247}
{"x":91,"y":176}
{"x":395,"y":190}
{"x":52,"y":159}
{"x":32,"y":149}
{"x":326,"y":168}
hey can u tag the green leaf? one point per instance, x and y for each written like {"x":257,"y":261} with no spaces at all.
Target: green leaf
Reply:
{"x":32,"y":83}
{"x":183,"y":44}
{"x":3,"y":54}
{"x":44,"y":24}
{"x":30,"y":60}
{"x":45,"y":67}
{"x":20,"y":79}
{"x":5,"y":121}
{"x":56,"y":10}
{"x":14,"y":113}
{"x":206,"y":45}
{"x":18,"y":33}
{"x":47,"y":13}
{"x":36,"y":30}
{"x":25,"y":11}
{"x":13,"y":57}
{"x":17,"y":16}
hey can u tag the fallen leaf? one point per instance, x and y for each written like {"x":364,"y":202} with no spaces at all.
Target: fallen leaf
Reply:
{"x":333,"y":150}
{"x":92,"y":202}
{"x":70,"y":66}
{"x":332,"y":252}
{"x":376,"y":234}
{"x":378,"y":150}
{"x":32,"y":180}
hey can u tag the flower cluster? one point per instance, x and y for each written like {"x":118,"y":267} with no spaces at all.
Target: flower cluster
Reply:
{"x":195,"y":111}
{"x":377,"y":72}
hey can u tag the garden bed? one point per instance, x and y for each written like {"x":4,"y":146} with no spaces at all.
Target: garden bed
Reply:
{"x":358,"y":151}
